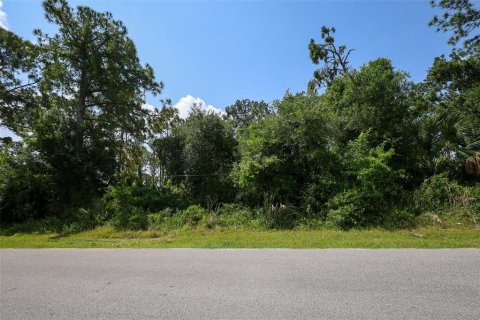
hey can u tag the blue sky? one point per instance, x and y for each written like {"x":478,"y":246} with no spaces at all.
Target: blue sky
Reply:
{"x":223,"y":51}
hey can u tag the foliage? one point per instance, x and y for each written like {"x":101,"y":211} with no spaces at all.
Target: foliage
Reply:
{"x":372,"y":186}
{"x":127,"y":205}
{"x":198,"y":155}
{"x":208,"y":155}
{"x":454,"y":90}
{"x":92,"y":86}
{"x":27,"y":188}
{"x":234,"y":216}
{"x":371,"y":149}
{"x":281,"y":155}
{"x":462,"y":18}
{"x":228,"y":217}
{"x":17,"y":64}
{"x":443,"y":202}
{"x":436,"y":193}
{"x":376,"y":100}
{"x":335,"y":60}
{"x":245,"y":112}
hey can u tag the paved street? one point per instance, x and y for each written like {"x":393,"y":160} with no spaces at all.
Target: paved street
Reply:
{"x":239,"y":284}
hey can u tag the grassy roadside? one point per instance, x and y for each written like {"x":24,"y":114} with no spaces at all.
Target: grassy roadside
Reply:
{"x":106,"y":237}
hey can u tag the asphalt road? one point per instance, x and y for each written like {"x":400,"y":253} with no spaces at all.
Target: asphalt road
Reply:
{"x":239,"y":284}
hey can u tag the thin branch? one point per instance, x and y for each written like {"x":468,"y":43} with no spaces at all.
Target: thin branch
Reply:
{"x":23,"y":86}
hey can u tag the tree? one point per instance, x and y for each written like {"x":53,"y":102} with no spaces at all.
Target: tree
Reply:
{"x":452,"y":92}
{"x":287,"y":155}
{"x":166,"y":120}
{"x":17,"y":96}
{"x":461,"y":18}
{"x":245,"y":112}
{"x":454,"y":89}
{"x":335,"y":60}
{"x":164,"y":144}
{"x":79,"y":95}
{"x":377,"y":99}
{"x":208,"y":155}
{"x":27,"y":185}
{"x":92,"y":89}
{"x":198,"y":155}
{"x":92,"y":61}
{"x":371,"y":188}
{"x":167,"y":144}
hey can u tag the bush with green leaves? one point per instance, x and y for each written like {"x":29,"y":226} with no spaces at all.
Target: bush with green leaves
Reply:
{"x":346,"y":210}
{"x":437,"y":193}
{"x":371,"y":187}
{"x":136,"y":200}
{"x":443,"y":202}
{"x":284,"y":153}
{"x":158,"y":220}
{"x":130,"y":218}
{"x":121,"y":209}
{"x":374,"y":149}
{"x":309,"y":223}
{"x":228,"y":216}
{"x":81,"y":219}
{"x":192,"y":217}
{"x":277,"y":215}
{"x":27,"y":185}
{"x":235,"y":216}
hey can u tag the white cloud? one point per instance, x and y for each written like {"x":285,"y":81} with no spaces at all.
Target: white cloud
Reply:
{"x":148,"y":107}
{"x":185,"y":104}
{"x":3,"y":17}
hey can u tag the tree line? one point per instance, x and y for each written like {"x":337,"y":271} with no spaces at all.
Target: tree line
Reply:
{"x":361,"y":147}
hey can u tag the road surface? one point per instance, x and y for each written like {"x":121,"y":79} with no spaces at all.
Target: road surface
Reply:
{"x":239,"y":284}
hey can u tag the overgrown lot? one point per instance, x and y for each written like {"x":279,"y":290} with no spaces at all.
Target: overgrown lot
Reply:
{"x":234,"y":227}
{"x":362,"y":147}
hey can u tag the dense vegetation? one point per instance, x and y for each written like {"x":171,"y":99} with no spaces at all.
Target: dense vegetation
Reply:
{"x":361,"y":148}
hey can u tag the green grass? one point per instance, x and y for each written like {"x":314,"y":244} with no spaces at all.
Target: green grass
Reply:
{"x":106,"y":237}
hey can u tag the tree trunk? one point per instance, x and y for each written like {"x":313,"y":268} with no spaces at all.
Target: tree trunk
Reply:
{"x":79,"y":124}
{"x":82,"y":98}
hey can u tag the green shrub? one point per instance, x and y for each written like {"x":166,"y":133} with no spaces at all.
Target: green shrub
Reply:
{"x":471,"y":196}
{"x":83,"y":219}
{"x":357,"y":209}
{"x":429,"y":219}
{"x":436,"y":194}
{"x":234,"y":216}
{"x":120,"y":209}
{"x":228,"y":216}
{"x":310,"y":224}
{"x":445,"y":203}
{"x":158,"y":220}
{"x":316,"y":195}
{"x":127,"y":205}
{"x":137,"y":220}
{"x":130,"y":218}
{"x":346,"y":210}
{"x":274,"y":214}
{"x":229,"y":209}
{"x":400,"y":217}
{"x":372,"y":187}
{"x":191,"y":217}
{"x":147,"y":198}
{"x":28,"y":190}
